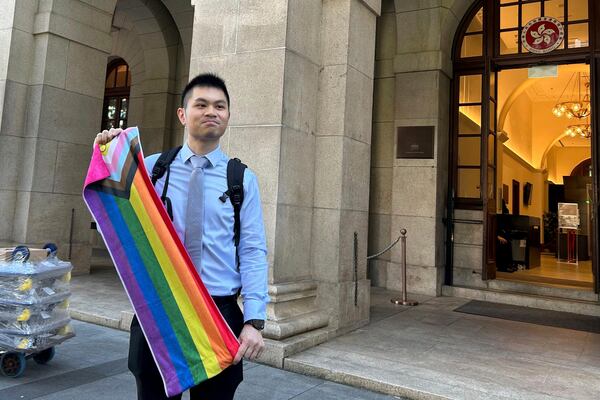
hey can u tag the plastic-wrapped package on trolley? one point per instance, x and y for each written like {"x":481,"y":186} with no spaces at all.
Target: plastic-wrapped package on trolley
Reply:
{"x":37,"y":342}
{"x":34,"y":302}
{"x":25,"y":312}
{"x":32,"y":323}
{"x":33,"y":282}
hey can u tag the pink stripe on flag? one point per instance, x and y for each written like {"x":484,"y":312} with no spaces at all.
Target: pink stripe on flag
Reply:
{"x":116,"y":154}
{"x":97,"y":169}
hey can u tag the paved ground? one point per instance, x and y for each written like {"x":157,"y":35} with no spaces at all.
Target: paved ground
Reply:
{"x":426,"y":352}
{"x":93,"y":366}
{"x":101,"y":299}
{"x":432,"y":352}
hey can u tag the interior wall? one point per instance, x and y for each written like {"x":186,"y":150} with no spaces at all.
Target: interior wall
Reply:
{"x":516,"y":114}
{"x":519,"y":127}
{"x":514,"y":168}
{"x":546,"y":125}
{"x":562,"y":160}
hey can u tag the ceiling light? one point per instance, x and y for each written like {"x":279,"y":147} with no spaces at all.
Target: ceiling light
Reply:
{"x":579,"y":105}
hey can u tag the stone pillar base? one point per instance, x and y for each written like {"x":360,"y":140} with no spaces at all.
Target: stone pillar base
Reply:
{"x":339,"y":298}
{"x":277,"y":350}
{"x":292,"y":310}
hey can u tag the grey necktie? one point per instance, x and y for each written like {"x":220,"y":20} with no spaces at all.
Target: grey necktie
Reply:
{"x":194,"y":222}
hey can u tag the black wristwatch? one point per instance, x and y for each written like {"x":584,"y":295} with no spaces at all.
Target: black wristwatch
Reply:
{"x":258,"y":324}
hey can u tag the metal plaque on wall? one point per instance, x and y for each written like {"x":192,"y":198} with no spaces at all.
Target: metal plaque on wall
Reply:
{"x":415,"y":141}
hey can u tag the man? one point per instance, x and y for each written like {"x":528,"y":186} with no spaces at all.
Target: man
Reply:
{"x":205,"y":113}
{"x":504,"y":259}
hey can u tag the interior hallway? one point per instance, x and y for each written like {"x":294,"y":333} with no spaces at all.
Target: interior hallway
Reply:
{"x":425,"y":352}
{"x":557,"y":273}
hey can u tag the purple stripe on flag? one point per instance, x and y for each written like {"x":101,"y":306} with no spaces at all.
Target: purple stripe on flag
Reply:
{"x":132,"y":289}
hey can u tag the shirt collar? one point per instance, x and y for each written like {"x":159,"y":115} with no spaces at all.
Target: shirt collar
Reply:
{"x":213,"y":157}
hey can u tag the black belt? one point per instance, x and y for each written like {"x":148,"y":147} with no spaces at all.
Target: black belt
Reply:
{"x":222,"y":300}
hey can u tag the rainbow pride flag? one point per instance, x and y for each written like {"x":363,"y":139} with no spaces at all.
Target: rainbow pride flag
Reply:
{"x":186,"y":333}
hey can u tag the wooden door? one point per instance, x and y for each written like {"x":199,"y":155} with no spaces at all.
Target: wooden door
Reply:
{"x":488,"y":173}
{"x":595,"y":206}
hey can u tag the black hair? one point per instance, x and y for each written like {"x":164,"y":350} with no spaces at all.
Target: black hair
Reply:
{"x":204,"y":80}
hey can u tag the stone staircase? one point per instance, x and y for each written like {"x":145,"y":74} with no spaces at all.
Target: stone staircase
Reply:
{"x":535,"y":296}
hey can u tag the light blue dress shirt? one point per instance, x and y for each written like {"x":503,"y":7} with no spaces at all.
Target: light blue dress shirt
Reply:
{"x":219,"y":271}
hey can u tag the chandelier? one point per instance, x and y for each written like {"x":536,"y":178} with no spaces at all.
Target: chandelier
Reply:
{"x":575,"y":108}
{"x":583,"y":130}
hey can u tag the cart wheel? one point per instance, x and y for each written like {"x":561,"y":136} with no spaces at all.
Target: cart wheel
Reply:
{"x":44,"y":356}
{"x":52,"y":249}
{"x":12,"y":364}
{"x":20,"y":254}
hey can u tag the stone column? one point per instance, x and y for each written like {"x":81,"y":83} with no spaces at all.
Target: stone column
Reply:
{"x":53,"y":93}
{"x":423,"y":69}
{"x":343,"y":148}
{"x":14,"y":79}
{"x":382,"y":146}
{"x":268,"y":53}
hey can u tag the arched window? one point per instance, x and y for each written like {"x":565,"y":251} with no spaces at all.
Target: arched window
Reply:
{"x":489,"y":39}
{"x":116,"y":95}
{"x":469,"y":57}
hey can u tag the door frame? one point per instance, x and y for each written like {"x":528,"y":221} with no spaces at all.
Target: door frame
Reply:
{"x":489,"y":62}
{"x":516,"y":198}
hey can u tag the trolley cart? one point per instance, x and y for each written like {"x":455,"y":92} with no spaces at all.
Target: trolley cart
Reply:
{"x":34,"y":318}
{"x":41,"y":348}
{"x":32,"y":282}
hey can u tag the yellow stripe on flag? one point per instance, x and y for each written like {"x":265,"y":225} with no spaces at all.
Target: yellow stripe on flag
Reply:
{"x":199,"y":336}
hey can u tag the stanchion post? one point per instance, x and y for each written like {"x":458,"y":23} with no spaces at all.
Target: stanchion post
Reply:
{"x":404,"y":300}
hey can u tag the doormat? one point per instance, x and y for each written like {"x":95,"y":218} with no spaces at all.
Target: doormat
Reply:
{"x":558,"y":319}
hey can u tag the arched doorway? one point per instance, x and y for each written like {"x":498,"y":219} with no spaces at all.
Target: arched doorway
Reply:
{"x":584,"y":168}
{"x":510,"y":135}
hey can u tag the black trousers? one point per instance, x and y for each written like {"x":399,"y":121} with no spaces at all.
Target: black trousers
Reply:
{"x":504,"y":258}
{"x":148,"y":380}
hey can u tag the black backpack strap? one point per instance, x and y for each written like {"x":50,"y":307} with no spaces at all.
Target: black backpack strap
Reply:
{"x":162,"y":164}
{"x":235,"y":192}
{"x":160,"y":167}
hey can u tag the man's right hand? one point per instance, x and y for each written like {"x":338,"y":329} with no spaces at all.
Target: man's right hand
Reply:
{"x":106,"y":136}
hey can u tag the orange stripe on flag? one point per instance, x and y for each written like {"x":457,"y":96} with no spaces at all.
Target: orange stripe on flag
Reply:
{"x":204,"y":306}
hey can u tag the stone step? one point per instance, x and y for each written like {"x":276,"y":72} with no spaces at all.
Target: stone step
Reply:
{"x":544,"y":302}
{"x":376,"y":374}
{"x":534,"y":279}
{"x":122,"y":321}
{"x":276,"y":351}
{"x":543,"y":289}
{"x":308,"y":321}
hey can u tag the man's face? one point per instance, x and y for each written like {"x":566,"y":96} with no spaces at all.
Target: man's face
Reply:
{"x":206,"y":113}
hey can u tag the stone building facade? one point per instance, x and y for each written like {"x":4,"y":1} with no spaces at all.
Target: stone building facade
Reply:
{"x":318,"y":89}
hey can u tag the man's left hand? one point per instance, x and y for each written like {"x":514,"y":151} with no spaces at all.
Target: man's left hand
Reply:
{"x":251,"y":344}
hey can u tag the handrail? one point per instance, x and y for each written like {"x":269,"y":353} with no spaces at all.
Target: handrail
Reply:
{"x":384,"y":250}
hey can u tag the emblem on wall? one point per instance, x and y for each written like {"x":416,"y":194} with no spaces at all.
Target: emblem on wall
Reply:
{"x":542,"y":35}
